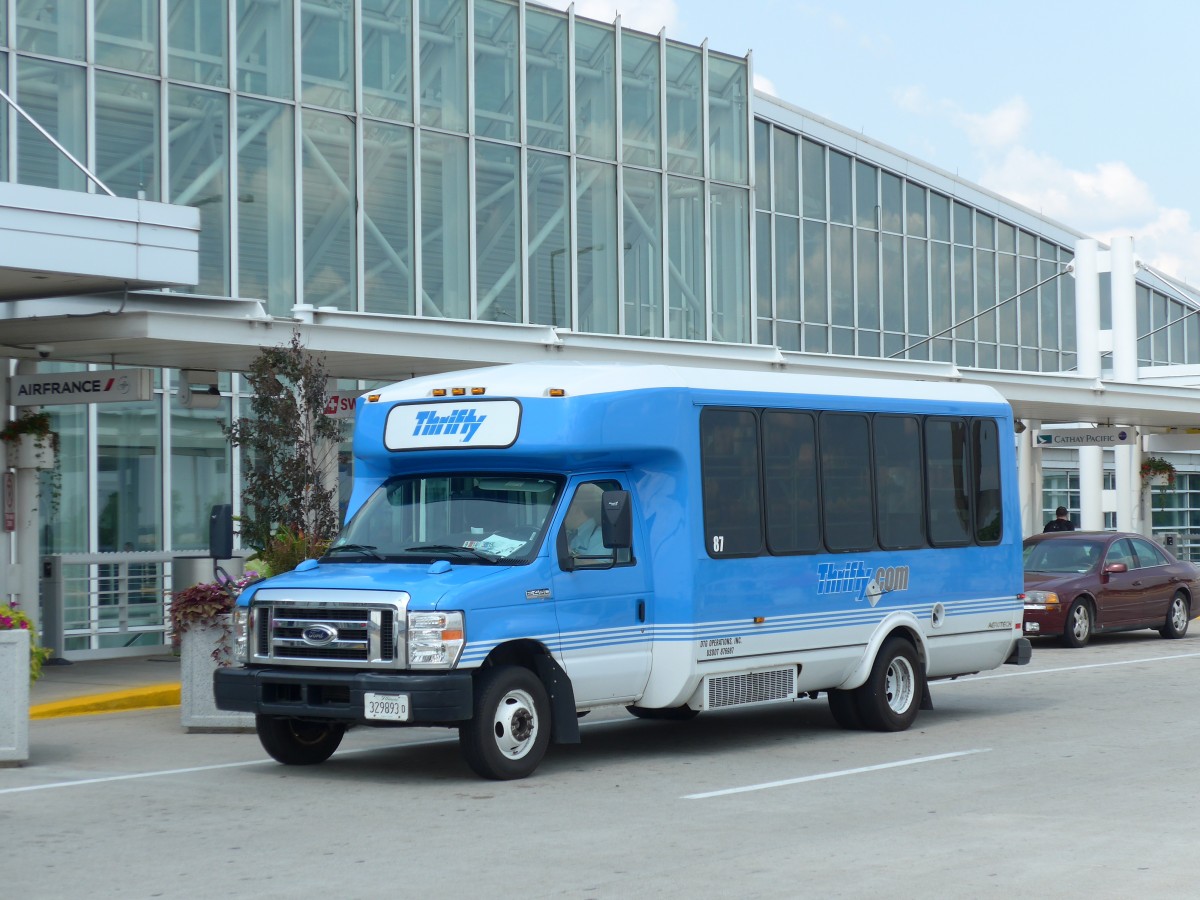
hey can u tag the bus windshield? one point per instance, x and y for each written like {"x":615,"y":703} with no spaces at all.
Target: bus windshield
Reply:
{"x":478,"y":519}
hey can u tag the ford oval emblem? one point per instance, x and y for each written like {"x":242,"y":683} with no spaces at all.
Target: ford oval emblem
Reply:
{"x":319,"y":635}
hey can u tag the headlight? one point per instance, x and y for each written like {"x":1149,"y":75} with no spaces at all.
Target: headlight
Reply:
{"x":435,"y":639}
{"x":1041,"y":599}
{"x":241,"y":633}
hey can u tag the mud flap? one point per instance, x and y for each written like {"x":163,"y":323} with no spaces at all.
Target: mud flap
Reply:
{"x":564,"y":723}
{"x":926,"y":697}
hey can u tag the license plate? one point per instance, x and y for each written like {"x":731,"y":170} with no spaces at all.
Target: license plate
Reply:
{"x":388,"y":707}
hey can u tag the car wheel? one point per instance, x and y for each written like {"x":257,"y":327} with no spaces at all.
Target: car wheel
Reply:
{"x":891,"y":696}
{"x":296,"y":742}
{"x":1079,"y":624}
{"x":510,"y":730}
{"x":844,"y":707}
{"x":670,"y":714}
{"x":1177,"y":617}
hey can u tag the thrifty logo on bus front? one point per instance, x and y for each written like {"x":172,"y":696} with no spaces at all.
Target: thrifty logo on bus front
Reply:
{"x":464,"y":421}
{"x":853,"y":577}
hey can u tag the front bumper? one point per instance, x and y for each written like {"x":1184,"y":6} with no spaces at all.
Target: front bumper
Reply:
{"x":434,"y":699}
{"x":1044,"y":621}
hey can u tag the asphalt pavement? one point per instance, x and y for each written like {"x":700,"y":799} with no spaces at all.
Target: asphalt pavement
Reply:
{"x":106,"y":685}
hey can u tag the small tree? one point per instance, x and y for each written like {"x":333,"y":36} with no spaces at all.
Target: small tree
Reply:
{"x":290,"y":446}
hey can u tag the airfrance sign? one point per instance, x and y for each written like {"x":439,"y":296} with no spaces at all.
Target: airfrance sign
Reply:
{"x":109,"y":386}
{"x":428,"y":426}
{"x":1086,"y":437}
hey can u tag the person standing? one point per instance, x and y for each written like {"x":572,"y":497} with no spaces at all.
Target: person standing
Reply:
{"x":1060,"y":522}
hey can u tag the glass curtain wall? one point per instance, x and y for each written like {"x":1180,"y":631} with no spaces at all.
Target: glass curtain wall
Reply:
{"x":852,"y":258}
{"x":445,"y":158}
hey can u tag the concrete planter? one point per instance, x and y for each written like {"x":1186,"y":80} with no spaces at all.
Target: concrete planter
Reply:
{"x":14,"y":697}
{"x":34,"y":453}
{"x":198,"y":709}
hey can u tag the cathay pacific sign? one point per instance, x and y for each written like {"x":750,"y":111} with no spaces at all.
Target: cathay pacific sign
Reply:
{"x":1086,"y":437}
{"x":108,"y":386}
{"x":464,"y":424}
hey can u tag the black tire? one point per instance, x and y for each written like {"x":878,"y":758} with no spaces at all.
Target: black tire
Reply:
{"x":509,"y":730}
{"x":670,"y":714}
{"x":844,"y":706}
{"x":298,"y":742}
{"x":891,"y":697}
{"x":1078,"y":629}
{"x":1178,"y":616}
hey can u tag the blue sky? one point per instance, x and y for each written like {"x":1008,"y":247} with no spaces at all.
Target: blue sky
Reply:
{"x":1085,"y":112}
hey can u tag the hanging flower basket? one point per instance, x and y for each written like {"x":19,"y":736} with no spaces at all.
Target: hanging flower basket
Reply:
{"x":1157,"y":471}
{"x":31,"y":439}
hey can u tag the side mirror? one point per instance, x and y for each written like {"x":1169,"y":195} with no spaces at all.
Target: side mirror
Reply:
{"x":220,"y":532}
{"x":1115,"y":568}
{"x":616,"y":520}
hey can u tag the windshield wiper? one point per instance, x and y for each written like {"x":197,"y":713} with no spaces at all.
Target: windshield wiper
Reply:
{"x":364,"y":549}
{"x":451,"y":548}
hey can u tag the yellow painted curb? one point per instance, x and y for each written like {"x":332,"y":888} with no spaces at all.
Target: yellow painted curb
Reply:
{"x":137,"y":698}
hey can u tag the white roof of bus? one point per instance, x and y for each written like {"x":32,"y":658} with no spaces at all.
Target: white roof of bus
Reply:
{"x":536,"y":378}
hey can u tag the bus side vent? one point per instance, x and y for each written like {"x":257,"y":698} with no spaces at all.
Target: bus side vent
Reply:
{"x":753,"y":687}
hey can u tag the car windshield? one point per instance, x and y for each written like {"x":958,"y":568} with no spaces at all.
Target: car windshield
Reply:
{"x":1062,"y":556}
{"x":478,"y":519}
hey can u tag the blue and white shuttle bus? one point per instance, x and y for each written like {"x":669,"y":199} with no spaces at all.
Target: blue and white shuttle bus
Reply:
{"x":528,"y":542}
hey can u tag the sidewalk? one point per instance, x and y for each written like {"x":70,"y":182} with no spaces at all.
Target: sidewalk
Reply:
{"x":105,"y":685}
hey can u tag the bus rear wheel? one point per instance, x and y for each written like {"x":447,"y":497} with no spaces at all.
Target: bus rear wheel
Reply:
{"x":844,"y":706}
{"x":891,"y":696}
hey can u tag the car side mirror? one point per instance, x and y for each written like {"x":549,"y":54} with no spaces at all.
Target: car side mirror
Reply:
{"x":1115,"y":568}
{"x":616,"y":520}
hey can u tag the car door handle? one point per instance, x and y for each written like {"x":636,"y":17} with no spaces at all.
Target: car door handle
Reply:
{"x":641,"y":610}
{"x":1136,"y":583}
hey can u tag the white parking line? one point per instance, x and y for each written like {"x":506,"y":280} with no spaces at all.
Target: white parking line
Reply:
{"x":1103,"y":665}
{"x":164,"y":772}
{"x":824,"y":775}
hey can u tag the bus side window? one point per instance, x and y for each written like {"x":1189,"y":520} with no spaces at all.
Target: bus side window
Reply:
{"x":729,"y":466}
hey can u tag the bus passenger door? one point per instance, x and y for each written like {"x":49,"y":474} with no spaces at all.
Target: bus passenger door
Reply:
{"x":602,"y":597}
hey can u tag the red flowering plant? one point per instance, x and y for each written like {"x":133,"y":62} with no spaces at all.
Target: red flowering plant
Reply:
{"x":1154,"y":466}
{"x":12,"y":619}
{"x":203,"y":605}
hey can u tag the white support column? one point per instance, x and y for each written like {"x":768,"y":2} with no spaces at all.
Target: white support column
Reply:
{"x":28,"y":550}
{"x":1124,"y":311}
{"x":7,"y":574}
{"x":1087,"y":308}
{"x":1029,"y":478}
{"x":1091,"y":488}
{"x":1087,"y":342}
{"x":1130,"y":515}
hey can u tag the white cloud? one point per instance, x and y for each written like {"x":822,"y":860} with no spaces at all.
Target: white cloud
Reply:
{"x":764,"y":84}
{"x":1001,"y":127}
{"x":1104,"y":201}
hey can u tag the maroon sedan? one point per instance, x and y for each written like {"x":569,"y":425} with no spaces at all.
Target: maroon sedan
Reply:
{"x":1078,"y":583}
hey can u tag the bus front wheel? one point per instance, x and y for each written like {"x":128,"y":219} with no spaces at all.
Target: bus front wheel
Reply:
{"x":296,"y":742}
{"x":508,"y":734}
{"x":891,"y":696}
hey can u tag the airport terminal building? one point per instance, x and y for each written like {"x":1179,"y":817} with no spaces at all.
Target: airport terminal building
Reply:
{"x":419,"y":186}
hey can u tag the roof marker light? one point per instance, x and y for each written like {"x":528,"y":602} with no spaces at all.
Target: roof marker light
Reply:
{"x":478,"y":392}
{"x":557,"y":392}
{"x":438,"y":392}
{"x":373,"y":398}
{"x":458,"y":392}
